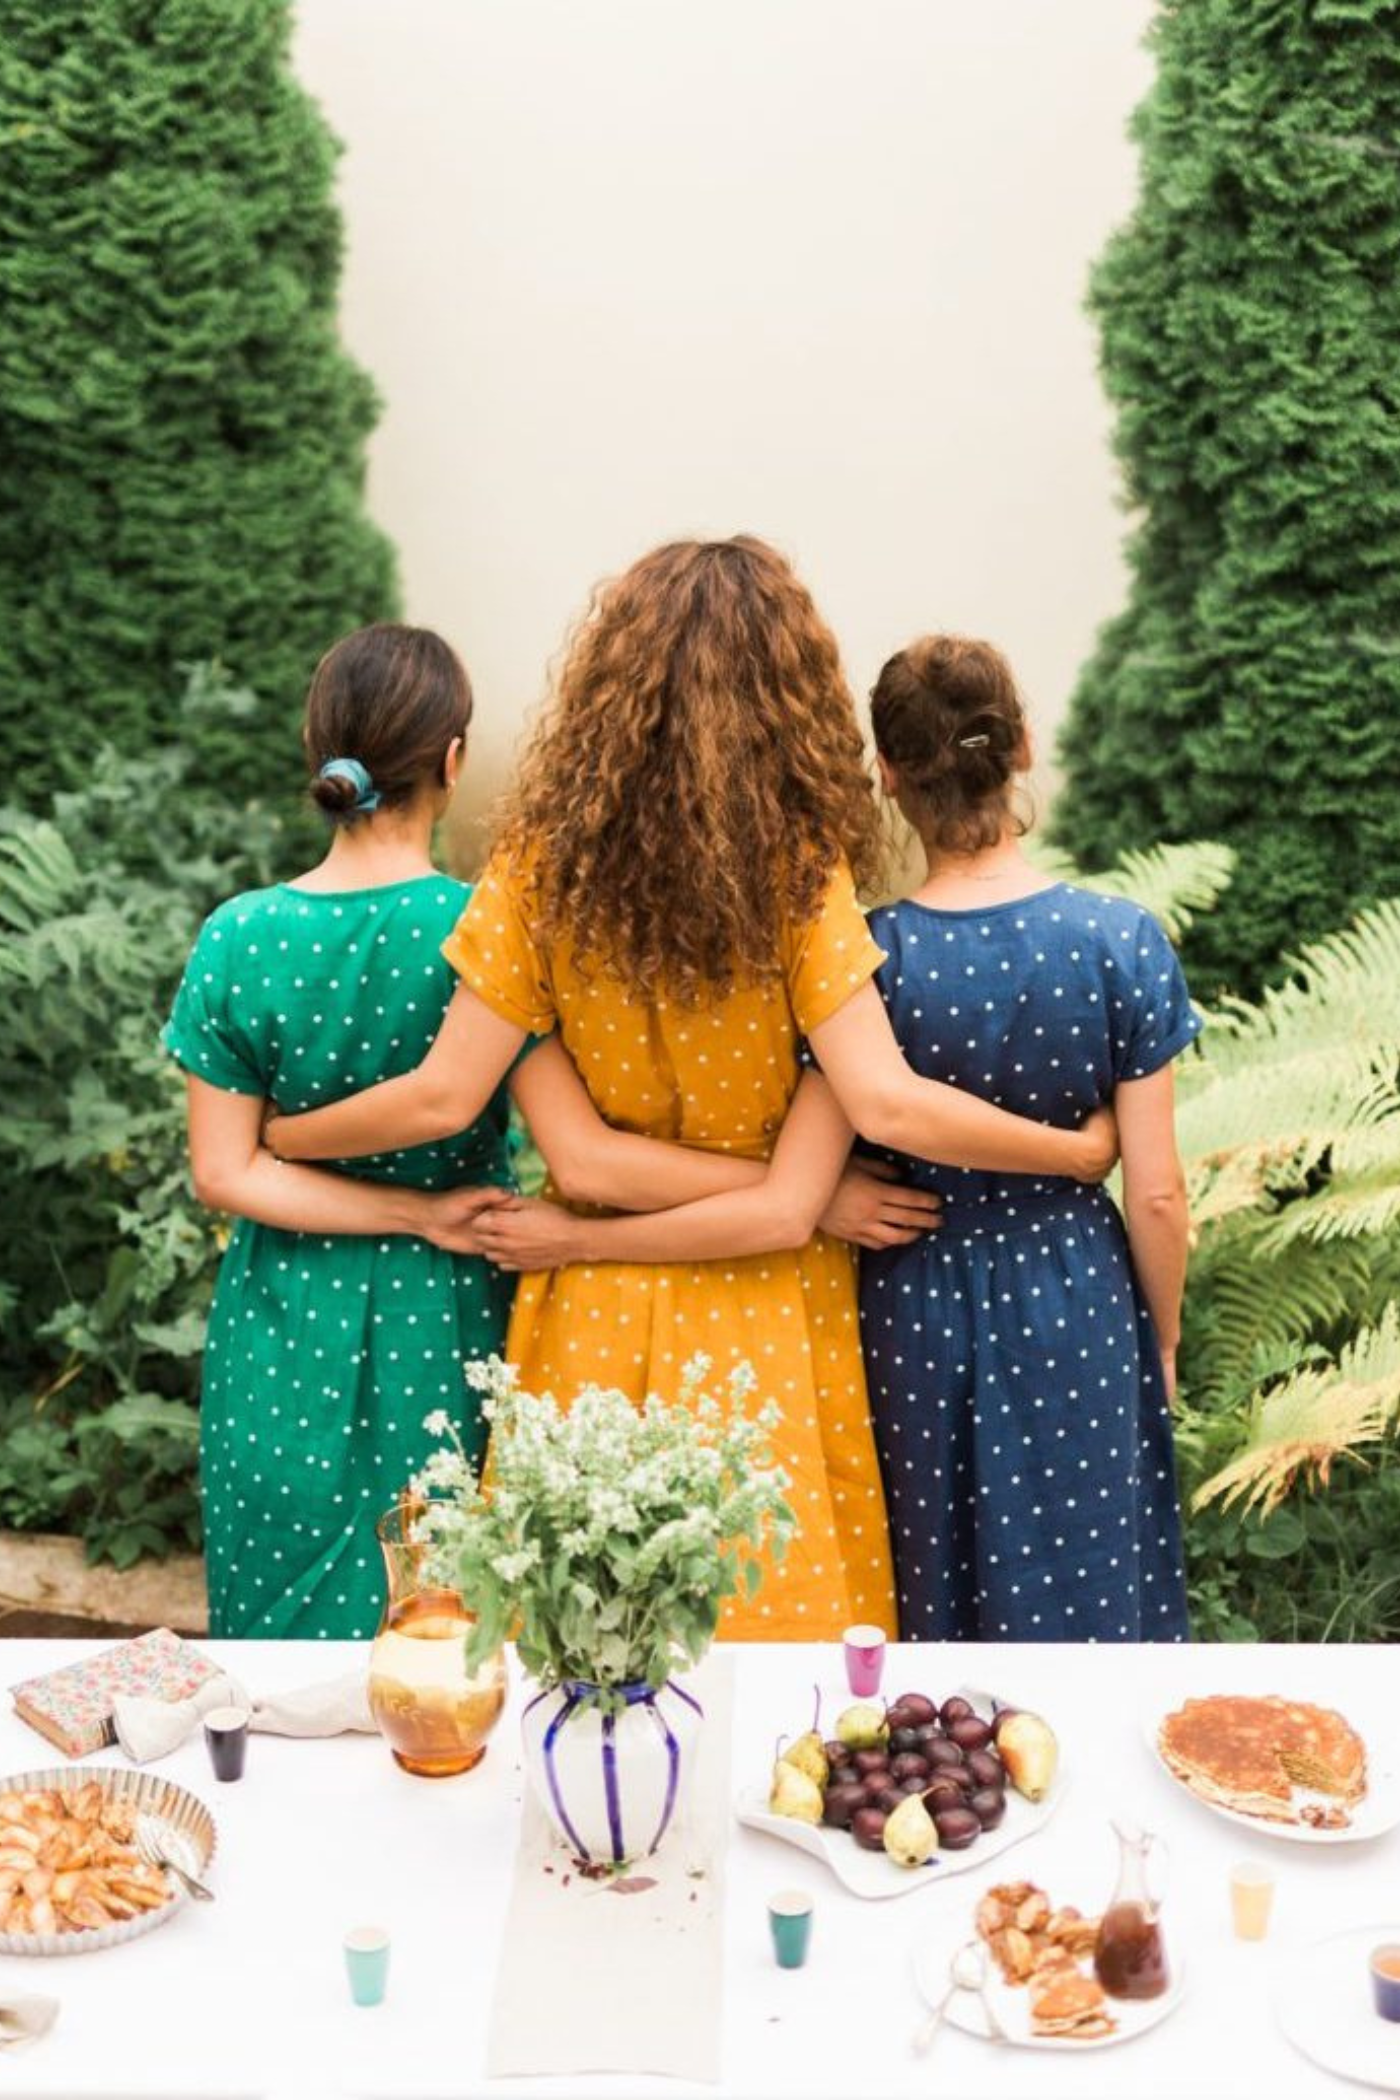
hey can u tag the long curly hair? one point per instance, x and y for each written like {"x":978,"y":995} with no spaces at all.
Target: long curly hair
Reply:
{"x":696,"y":775}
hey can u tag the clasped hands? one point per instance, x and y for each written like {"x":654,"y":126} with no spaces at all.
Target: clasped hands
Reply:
{"x":871,"y":1207}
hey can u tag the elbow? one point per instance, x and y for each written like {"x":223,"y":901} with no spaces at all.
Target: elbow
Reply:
{"x":574,"y":1176}
{"x":440,"y":1114}
{"x":786,"y":1226}
{"x":878,"y":1116}
{"x":1162,"y":1200}
{"x":212,"y":1188}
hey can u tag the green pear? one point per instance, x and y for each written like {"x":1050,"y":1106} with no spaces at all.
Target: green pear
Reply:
{"x":861,"y":1728}
{"x":794,"y":1794}
{"x":910,"y":1837}
{"x":808,"y":1753}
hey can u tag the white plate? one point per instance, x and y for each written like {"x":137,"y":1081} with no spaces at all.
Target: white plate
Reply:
{"x":875,"y":1874}
{"x":1377,"y":1812}
{"x":189,"y":1828}
{"x":1012,"y":2006}
{"x":1322,"y":1995}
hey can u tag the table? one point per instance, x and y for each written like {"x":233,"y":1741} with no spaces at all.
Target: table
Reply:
{"x":246,"y":1996}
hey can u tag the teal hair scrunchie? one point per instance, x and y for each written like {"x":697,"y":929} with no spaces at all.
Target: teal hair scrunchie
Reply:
{"x":367,"y":796}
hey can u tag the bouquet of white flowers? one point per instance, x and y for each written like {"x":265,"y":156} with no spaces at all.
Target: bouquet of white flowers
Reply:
{"x":607,"y":1535}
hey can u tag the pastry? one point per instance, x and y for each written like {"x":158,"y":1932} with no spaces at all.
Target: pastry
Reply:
{"x":1254,"y":1755}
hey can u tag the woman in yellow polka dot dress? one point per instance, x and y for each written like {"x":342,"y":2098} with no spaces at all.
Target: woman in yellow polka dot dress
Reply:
{"x":673,"y":892}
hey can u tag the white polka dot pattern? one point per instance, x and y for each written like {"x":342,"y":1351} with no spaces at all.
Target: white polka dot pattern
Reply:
{"x":324,"y":1354}
{"x":1014,"y":1377}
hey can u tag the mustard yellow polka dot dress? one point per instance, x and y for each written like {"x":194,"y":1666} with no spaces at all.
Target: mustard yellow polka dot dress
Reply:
{"x":719,"y":1078}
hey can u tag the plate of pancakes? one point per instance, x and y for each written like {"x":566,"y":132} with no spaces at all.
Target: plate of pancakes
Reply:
{"x":1040,"y":1980}
{"x":1287,"y":1767}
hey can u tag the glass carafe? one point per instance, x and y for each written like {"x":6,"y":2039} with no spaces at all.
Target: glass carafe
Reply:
{"x":433,"y":1714}
{"x":1130,"y":1954}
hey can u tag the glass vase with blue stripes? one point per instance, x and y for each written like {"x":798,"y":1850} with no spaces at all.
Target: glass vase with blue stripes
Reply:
{"x":612,"y":1773}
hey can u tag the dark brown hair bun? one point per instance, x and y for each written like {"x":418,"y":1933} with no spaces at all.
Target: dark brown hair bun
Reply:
{"x":949,"y":721}
{"x":334,"y":793}
{"x":391,"y":698}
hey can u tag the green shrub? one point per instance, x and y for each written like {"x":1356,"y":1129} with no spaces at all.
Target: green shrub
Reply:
{"x":1250,"y":318}
{"x":106,"y":1272}
{"x":181,"y":433}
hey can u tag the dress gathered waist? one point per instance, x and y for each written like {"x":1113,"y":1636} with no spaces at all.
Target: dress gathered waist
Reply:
{"x":1004,"y":1217}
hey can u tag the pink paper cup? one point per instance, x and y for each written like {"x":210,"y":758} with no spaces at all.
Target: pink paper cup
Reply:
{"x":864,"y":1648}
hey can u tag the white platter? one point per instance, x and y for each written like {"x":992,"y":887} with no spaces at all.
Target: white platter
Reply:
{"x":875,"y":1875}
{"x":1376,"y":1813}
{"x":189,"y":1831}
{"x":1011,"y":2004}
{"x":1322,"y":1995}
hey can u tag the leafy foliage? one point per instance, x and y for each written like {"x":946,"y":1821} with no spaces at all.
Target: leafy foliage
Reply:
{"x":1289,"y":1122}
{"x":611,"y":1534}
{"x":107,"y":1270}
{"x":181,"y":433}
{"x":1248,"y":691}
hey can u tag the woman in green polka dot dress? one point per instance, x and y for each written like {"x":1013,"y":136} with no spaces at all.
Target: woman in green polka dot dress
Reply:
{"x":341,"y":1317}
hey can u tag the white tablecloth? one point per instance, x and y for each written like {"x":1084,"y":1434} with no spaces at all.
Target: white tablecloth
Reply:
{"x":247,"y":1996}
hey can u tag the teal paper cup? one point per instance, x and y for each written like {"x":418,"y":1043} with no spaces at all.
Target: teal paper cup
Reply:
{"x":790,"y":1922}
{"x":367,"y":1963}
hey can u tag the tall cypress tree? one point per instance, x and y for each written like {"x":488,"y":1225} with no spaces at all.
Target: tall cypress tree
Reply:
{"x":1250,"y":312}
{"x":181,"y":433}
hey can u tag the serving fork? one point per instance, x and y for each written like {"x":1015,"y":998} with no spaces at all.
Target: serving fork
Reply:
{"x":153,"y":1844}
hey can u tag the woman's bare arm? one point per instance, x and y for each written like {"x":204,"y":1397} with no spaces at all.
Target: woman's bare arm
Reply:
{"x":590,"y":1162}
{"x":891,"y":1105}
{"x":1154,"y":1203}
{"x":469,"y":1058}
{"x":233,"y":1171}
{"x":780,"y":1211}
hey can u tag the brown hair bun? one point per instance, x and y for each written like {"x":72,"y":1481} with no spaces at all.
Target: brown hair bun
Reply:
{"x":391,"y":698}
{"x":334,"y":794}
{"x":949,"y":722}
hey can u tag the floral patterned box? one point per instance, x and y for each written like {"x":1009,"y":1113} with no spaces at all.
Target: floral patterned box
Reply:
{"x":72,"y":1707}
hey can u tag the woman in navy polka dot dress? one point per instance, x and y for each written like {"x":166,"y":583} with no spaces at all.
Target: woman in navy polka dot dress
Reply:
{"x":1021,"y":1360}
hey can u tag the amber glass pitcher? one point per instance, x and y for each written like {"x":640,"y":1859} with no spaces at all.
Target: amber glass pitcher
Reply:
{"x":433,"y":1714}
{"x":1130,"y":1954}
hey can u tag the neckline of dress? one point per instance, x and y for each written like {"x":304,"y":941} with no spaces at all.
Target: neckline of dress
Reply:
{"x":983,"y":911}
{"x":367,"y":889}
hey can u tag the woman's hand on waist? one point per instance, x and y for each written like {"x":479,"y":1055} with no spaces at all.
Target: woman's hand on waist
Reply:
{"x":528,"y":1233}
{"x":1096,"y":1146}
{"x":873,"y":1208}
{"x":453,"y":1218}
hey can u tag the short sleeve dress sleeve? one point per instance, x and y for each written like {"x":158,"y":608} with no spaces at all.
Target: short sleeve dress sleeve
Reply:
{"x":203,"y":1034}
{"x":494,"y":951}
{"x":1161,"y":1020}
{"x":832,"y":956}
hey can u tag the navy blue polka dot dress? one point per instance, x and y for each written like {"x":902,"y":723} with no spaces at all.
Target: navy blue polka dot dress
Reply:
{"x":1015,"y":1380}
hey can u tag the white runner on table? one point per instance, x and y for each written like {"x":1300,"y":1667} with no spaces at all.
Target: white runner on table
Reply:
{"x":620,"y":1976}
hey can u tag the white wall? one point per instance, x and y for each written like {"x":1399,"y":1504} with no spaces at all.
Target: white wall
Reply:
{"x":625,"y":269}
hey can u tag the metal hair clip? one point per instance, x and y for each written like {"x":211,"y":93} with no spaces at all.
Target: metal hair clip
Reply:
{"x":969,"y":743}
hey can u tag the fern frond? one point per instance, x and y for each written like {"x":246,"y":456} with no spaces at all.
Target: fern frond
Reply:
{"x":1174,"y":883}
{"x":1254,"y":1305}
{"x":1315,"y":1417}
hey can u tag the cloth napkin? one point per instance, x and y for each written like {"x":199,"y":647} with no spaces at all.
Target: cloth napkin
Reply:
{"x":150,"y":1728}
{"x":25,"y":2019}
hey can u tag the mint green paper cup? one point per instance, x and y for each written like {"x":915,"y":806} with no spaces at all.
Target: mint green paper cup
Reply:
{"x":367,"y":1963}
{"x":790,"y":1923}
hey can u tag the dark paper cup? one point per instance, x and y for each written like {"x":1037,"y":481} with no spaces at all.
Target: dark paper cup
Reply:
{"x":226,"y":1733}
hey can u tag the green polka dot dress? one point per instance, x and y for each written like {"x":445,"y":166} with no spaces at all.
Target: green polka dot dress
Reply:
{"x":323,"y":1355}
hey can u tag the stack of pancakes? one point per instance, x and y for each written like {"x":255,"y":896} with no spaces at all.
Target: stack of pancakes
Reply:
{"x":1254,"y":1755}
